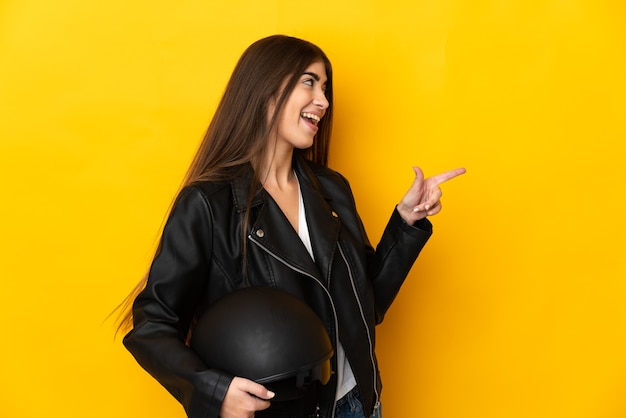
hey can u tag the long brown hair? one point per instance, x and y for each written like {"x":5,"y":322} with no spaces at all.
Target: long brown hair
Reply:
{"x":238,"y":133}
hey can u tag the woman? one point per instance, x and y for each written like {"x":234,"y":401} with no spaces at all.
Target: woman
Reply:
{"x":259,"y":207}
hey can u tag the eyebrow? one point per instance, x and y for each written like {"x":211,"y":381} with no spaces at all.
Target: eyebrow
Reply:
{"x":314,"y":75}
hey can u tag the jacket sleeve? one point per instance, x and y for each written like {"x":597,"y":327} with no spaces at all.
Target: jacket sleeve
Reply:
{"x":395,"y":255}
{"x":389,"y":264}
{"x":163,"y":311}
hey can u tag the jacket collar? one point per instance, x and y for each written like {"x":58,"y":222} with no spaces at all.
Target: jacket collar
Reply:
{"x":279,"y":235}
{"x":241,"y":185}
{"x":322,"y":221}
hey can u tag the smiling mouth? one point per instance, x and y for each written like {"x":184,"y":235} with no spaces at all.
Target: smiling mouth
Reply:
{"x":311,"y":117}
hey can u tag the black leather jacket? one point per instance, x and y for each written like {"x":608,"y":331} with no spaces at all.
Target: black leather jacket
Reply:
{"x":349,"y":285}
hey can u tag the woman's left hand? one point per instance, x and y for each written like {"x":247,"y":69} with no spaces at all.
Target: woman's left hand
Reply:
{"x":423,"y":197}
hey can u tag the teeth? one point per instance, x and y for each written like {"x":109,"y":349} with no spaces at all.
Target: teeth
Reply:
{"x":311,"y":116}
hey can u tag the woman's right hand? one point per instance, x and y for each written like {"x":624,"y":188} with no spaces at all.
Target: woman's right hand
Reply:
{"x":243,"y":398}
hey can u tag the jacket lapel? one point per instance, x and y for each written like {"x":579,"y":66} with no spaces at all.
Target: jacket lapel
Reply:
{"x":271,"y":229}
{"x":322,"y":221}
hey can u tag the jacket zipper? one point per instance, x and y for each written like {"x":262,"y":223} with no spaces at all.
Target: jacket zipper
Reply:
{"x":285,"y":262}
{"x":369,"y":337}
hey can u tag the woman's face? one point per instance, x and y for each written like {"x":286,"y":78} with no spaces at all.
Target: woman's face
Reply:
{"x":305,"y":107}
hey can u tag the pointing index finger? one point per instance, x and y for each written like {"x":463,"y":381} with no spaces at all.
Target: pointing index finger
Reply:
{"x":448,"y":175}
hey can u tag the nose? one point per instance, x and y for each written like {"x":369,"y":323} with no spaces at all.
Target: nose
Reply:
{"x":320,"y":99}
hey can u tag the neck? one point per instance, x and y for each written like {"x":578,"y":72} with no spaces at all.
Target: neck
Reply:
{"x":277,"y":169}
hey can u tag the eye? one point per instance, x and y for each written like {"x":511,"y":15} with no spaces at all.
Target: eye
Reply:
{"x":309,"y":82}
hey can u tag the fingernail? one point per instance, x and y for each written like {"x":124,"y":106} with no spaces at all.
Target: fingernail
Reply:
{"x":270,"y":394}
{"x":416,"y":209}
{"x":427,"y":207}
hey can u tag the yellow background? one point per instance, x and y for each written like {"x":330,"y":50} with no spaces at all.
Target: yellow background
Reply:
{"x":516,"y":307}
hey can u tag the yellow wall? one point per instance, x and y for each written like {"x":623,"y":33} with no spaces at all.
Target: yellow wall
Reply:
{"x":516,"y":307}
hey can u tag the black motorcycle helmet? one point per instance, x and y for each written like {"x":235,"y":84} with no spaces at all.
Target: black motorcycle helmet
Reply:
{"x":268,"y":336}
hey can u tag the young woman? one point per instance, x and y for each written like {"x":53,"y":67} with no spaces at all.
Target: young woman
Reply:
{"x":259,"y":207}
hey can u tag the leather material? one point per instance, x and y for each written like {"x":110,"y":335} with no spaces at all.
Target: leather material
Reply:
{"x":350,"y":285}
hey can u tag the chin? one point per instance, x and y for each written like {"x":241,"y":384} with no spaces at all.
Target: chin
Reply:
{"x":304,"y":145}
